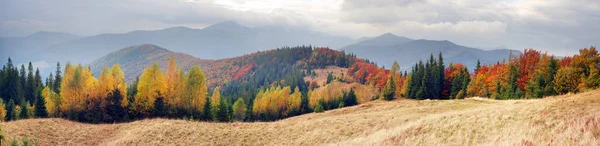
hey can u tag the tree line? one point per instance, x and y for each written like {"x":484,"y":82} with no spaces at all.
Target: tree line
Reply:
{"x":264,"y":95}
{"x":530,"y":74}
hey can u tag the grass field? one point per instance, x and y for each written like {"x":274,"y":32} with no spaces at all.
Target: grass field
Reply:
{"x":561,"y":120}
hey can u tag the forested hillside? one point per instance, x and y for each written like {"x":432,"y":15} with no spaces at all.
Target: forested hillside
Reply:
{"x":275,"y":84}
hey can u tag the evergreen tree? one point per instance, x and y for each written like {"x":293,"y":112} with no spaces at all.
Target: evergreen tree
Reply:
{"x":50,"y":82}
{"x":24,"y":110}
{"x":223,"y":112}
{"x":478,"y":65}
{"x":114,"y":110}
{"x":159,"y":109}
{"x":440,"y":81}
{"x":304,"y":107}
{"x":40,"y":107}
{"x":23,"y":84}
{"x":552,"y":70}
{"x":350,"y":99}
{"x":456,"y":85}
{"x":319,"y":108}
{"x":465,"y":82}
{"x":422,"y":92}
{"x":30,"y":88}
{"x":390,"y":89}
{"x":11,"y":84}
{"x":329,"y":77}
{"x":58,"y":79}
{"x":512,"y":91}
{"x":11,"y":111}
{"x":207,"y":114}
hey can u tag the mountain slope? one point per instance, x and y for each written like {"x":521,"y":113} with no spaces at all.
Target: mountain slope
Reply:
{"x":222,"y":40}
{"x":27,"y":48}
{"x":387,"y":48}
{"x":561,"y":120}
{"x":133,"y":60}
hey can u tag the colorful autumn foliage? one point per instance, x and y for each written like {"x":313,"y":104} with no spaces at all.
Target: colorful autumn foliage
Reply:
{"x":261,"y":84}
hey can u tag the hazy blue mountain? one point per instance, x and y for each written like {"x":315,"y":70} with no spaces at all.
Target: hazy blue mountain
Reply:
{"x":222,"y":40}
{"x":28,"y":48}
{"x":387,"y":48}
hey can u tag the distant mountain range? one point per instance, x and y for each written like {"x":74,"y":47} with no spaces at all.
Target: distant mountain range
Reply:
{"x":30,"y":48}
{"x":221,"y":40}
{"x":230,"y":39}
{"x":387,"y":48}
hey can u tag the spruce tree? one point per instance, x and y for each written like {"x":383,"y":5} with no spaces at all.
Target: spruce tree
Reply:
{"x":329,"y":77}
{"x":442,"y":74}
{"x":40,"y":107}
{"x":30,"y":88}
{"x":11,"y":112}
{"x":390,"y":88}
{"x":58,"y":79}
{"x":350,"y":98}
{"x":23,"y":84}
{"x":207,"y":113}
{"x":24,"y":110}
{"x":115,"y":111}
{"x":549,"y":79}
{"x":159,"y":109}
{"x":478,"y":65}
{"x":223,"y":112}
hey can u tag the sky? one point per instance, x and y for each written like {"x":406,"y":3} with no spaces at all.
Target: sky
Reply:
{"x":560,"y":27}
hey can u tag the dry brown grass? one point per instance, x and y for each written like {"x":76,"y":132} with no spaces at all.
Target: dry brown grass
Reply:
{"x":561,"y":120}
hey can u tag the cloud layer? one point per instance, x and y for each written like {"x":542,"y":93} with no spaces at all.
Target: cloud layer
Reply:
{"x":559,"y":26}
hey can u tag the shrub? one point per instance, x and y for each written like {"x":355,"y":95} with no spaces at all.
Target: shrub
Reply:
{"x":319,"y":108}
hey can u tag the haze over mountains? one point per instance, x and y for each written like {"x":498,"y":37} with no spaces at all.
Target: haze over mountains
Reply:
{"x":387,"y":48}
{"x":24,"y":49}
{"x":230,"y":39}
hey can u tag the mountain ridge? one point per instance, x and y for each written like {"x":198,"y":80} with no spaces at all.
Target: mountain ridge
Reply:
{"x":408,"y":51}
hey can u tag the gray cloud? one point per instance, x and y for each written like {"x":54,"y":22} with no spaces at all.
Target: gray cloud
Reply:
{"x":560,"y":26}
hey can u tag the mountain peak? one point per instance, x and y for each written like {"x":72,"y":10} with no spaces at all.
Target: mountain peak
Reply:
{"x":145,"y":48}
{"x":226,"y":25}
{"x":389,"y":34}
{"x":178,"y":28}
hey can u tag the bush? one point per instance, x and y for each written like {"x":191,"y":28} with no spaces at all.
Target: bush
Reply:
{"x":319,"y":108}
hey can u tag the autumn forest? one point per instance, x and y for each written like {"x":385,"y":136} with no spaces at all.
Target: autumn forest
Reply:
{"x":276,"y":84}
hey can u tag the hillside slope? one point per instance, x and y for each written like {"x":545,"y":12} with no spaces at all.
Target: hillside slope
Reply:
{"x":134,"y":59}
{"x":561,"y":120}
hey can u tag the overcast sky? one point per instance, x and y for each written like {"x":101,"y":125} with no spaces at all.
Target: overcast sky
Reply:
{"x":558,"y":26}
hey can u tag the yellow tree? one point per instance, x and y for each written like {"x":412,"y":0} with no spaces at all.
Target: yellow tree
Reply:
{"x":52,"y":101}
{"x":119,"y":82}
{"x":195,"y":94}
{"x":397,"y":75}
{"x":215,"y":99}
{"x":105,"y":83}
{"x":76,"y":87}
{"x":294,"y":102}
{"x":150,"y":86}
{"x":172,"y":77}
{"x":2,"y":112}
